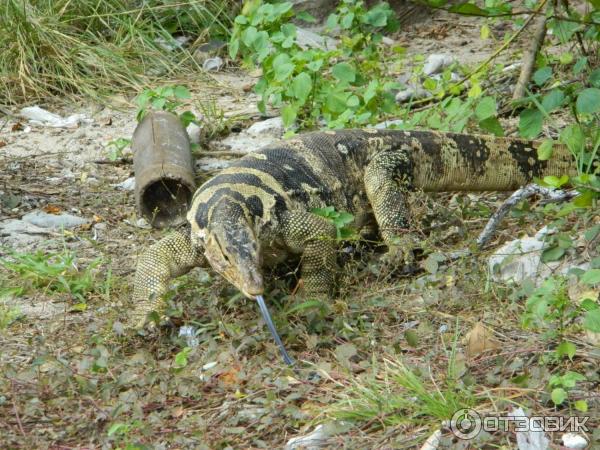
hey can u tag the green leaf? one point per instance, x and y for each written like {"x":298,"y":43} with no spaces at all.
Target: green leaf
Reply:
{"x":570,"y":379}
{"x":544,"y":151}
{"x":306,"y":17}
{"x":181,"y":92}
{"x":344,"y":72}
{"x":574,"y":138}
{"x":556,"y":182}
{"x":301,"y":86}
{"x":566,"y":58}
{"x":412,"y":338}
{"x":595,"y":77}
{"x":492,"y":125}
{"x":542,"y":75}
{"x":588,"y":101}
{"x":186,"y":118}
{"x":486,"y":108}
{"x":563,"y":30}
{"x":530,"y":123}
{"x":559,"y":395}
{"x":353,"y":101}
{"x":468,"y":9}
{"x":589,"y":304}
{"x":249,"y":35}
{"x":553,"y":100}
{"x":591,"y":320}
{"x":581,"y":405}
{"x":315,"y":65}
{"x":336,"y":101}
{"x":288,"y":115}
{"x":347,"y":20}
{"x":376,"y":17}
{"x":282,"y":67}
{"x":553,"y":254}
{"x":181,"y":358}
{"x":580,"y":65}
{"x":566,"y":348}
{"x":591,"y":277}
{"x":234,"y":47}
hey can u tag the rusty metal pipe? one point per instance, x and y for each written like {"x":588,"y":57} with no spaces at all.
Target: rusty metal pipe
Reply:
{"x":163,"y":167}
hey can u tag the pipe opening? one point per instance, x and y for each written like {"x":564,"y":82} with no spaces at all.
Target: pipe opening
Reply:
{"x":165,"y":202}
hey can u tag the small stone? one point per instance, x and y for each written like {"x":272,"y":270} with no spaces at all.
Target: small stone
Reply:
{"x":307,"y":39}
{"x":54,"y":221}
{"x":142,"y":223}
{"x":213,"y":64}
{"x":574,"y":441}
{"x":127,"y":185}
{"x":272,"y":127}
{"x":194,"y":132}
{"x":208,"y":50}
{"x":436,"y":63}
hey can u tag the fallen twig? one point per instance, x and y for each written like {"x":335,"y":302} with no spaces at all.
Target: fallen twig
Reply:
{"x":539,"y":33}
{"x":517,"y":196}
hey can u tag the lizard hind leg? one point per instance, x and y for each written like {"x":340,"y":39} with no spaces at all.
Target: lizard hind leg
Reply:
{"x":387,"y":179}
{"x":315,"y":238}
{"x":169,"y":258}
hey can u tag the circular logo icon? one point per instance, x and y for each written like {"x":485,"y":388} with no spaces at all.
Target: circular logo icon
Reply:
{"x":465,"y":423}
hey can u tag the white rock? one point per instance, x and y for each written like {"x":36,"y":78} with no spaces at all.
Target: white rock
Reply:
{"x":213,"y":64}
{"x":306,"y":39}
{"x":53,"y":221}
{"x":190,"y":336}
{"x":534,"y":438}
{"x":436,"y":63}
{"x":40,"y":116}
{"x":388,"y":123}
{"x":17,"y":233}
{"x":520,"y":259}
{"x":318,"y":438}
{"x":142,"y":223}
{"x":387,"y":41}
{"x":574,"y":441}
{"x":127,"y":185}
{"x":254,"y":138}
{"x":194,"y":131}
{"x":209,"y":164}
{"x":209,"y":365}
{"x":272,"y":127}
{"x":413,"y":92}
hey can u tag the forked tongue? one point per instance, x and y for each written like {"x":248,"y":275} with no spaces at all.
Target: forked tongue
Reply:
{"x":267,"y":318}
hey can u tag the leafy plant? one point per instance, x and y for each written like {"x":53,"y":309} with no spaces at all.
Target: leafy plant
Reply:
{"x":116,"y":148}
{"x":8,"y":314}
{"x":339,"y":219}
{"x":52,"y":272}
{"x":166,"y":98}
{"x":317,"y":85}
{"x":97,"y":48}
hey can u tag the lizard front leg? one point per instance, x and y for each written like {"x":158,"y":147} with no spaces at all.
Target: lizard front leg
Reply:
{"x":169,"y":258}
{"x":387,"y":180}
{"x":315,"y":238}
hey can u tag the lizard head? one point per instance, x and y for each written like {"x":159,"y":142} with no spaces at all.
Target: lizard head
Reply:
{"x":231,"y":248}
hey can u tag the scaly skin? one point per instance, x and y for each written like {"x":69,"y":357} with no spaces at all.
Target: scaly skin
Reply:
{"x":256,"y":213}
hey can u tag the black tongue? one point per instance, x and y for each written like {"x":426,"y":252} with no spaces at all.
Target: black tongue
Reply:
{"x":267,"y":318}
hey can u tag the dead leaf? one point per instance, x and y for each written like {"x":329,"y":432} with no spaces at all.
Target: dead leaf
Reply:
{"x":2,"y":144}
{"x":52,"y":209}
{"x":480,"y":340}
{"x":18,"y":126}
{"x":230,"y":377}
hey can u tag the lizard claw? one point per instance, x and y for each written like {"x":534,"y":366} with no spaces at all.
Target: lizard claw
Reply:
{"x":400,"y":257}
